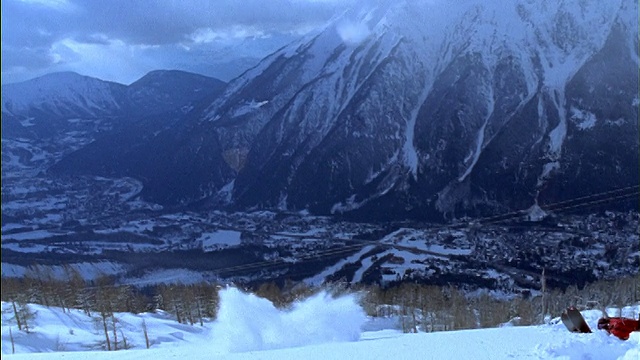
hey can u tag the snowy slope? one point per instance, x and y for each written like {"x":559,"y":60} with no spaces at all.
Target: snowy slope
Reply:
{"x":62,"y":94}
{"x":318,"y":328}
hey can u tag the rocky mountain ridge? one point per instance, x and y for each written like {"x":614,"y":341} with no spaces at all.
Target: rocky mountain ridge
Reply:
{"x":495,"y":109}
{"x":412,"y":110}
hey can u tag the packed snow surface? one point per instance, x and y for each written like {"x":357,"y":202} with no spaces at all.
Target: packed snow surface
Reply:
{"x":321,"y":327}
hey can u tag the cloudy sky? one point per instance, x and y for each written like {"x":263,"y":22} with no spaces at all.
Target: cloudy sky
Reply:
{"x":121,"y":40}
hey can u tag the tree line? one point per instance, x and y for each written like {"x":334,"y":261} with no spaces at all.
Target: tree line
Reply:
{"x":418,"y":307}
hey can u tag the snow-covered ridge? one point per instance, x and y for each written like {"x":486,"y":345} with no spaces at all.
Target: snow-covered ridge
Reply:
{"x":60,"y":92}
{"x":68,"y":94}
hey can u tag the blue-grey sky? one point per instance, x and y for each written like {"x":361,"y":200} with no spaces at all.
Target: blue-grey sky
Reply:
{"x":121,"y":40}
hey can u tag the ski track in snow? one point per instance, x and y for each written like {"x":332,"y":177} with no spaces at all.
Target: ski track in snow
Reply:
{"x":319,"y":278}
{"x":366,"y":264}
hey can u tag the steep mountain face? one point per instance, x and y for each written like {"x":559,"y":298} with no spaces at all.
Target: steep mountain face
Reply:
{"x":494,"y":109}
{"x":177,"y":163}
{"x":417,"y":109}
{"x":148,"y":140}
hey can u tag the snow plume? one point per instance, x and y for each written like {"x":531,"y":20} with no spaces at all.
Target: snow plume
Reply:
{"x":248,"y":323}
{"x":352,"y":33}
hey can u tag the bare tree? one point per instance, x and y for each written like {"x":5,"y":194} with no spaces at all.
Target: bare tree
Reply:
{"x":16,"y":316}
{"x":114,"y":322}
{"x":13,"y":343}
{"x":145,"y":331}
{"x":105,"y":298}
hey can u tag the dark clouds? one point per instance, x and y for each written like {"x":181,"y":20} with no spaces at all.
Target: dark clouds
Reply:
{"x":42,"y":35}
{"x":31,"y":58}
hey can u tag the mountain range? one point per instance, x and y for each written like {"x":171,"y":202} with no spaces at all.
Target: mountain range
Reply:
{"x":473,"y":109}
{"x":45,"y":106}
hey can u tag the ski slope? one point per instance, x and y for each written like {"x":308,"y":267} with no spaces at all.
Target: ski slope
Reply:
{"x":319,"y":328}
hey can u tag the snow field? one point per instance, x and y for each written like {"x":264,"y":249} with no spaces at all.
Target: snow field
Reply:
{"x":320,"y":327}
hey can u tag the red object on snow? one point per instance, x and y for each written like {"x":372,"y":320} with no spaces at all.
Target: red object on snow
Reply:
{"x":619,"y":326}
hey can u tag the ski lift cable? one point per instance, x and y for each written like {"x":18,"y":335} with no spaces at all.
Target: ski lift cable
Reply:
{"x":569,"y":204}
{"x":548,"y":206}
{"x":558,"y":206}
{"x":268,"y":264}
{"x":597,"y":202}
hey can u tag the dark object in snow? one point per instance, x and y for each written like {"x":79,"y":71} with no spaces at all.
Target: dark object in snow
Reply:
{"x":567,"y":322}
{"x":619,"y":326}
{"x":574,"y":322}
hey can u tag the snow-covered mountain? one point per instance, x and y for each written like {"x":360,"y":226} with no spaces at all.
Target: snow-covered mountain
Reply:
{"x":421,"y":109}
{"x":48,"y":117}
{"x":63,"y":94}
{"x":164,"y":90}
{"x":477,"y":104}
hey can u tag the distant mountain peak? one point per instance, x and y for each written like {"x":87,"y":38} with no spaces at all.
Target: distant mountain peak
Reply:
{"x":61,"y":94}
{"x":171,"y":78}
{"x":69,"y":94}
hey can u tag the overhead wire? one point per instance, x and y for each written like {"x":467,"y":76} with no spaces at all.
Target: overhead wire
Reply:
{"x":580,"y":202}
{"x":576,"y":203}
{"x":278,"y":262}
{"x":594,"y":199}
